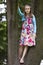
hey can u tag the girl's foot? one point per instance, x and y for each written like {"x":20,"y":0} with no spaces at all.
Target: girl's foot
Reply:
{"x":21,"y":61}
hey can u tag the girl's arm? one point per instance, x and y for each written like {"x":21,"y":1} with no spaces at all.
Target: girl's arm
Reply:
{"x":19,"y":11}
{"x":34,"y":22}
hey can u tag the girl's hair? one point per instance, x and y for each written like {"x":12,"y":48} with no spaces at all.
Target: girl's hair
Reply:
{"x":30,"y":14}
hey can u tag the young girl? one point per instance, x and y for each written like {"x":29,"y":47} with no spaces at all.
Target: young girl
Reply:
{"x":28,"y":32}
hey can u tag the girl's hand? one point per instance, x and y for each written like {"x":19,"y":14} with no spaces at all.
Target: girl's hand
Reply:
{"x":34,"y":35}
{"x":23,"y":34}
{"x":18,"y":4}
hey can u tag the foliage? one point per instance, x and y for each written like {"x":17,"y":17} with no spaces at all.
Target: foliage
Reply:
{"x":23,"y":2}
{"x":2,"y":1}
{"x":3,"y":41}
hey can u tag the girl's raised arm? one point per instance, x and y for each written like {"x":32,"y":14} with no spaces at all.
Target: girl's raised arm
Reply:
{"x":19,"y":11}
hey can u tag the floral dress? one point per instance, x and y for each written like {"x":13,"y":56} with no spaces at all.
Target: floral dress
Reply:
{"x":27,"y":35}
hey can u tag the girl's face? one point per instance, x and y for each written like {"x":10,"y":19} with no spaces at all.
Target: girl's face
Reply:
{"x":27,"y":9}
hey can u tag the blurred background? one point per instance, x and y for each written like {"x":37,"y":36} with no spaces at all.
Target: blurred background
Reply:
{"x":3,"y":32}
{"x":35,"y":54}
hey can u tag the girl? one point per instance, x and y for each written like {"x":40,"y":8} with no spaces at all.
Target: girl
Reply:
{"x":28,"y":32}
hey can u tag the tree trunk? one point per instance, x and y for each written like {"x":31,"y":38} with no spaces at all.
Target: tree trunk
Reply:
{"x":32,"y":5}
{"x":12,"y":30}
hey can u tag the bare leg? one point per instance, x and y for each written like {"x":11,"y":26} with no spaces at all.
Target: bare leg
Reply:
{"x":24,"y":53}
{"x":20,"y":51}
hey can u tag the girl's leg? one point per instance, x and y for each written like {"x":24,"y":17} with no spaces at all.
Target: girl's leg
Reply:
{"x":24,"y":53}
{"x":20,"y":51}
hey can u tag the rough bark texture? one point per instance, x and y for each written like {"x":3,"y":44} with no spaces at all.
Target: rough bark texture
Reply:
{"x":12,"y":31}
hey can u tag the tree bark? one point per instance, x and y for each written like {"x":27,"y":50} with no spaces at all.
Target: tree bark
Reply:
{"x":12,"y":30}
{"x":32,"y":5}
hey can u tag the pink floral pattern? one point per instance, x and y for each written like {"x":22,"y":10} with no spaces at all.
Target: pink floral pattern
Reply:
{"x":27,"y":37}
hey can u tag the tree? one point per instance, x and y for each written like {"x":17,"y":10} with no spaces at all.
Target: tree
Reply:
{"x":12,"y":30}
